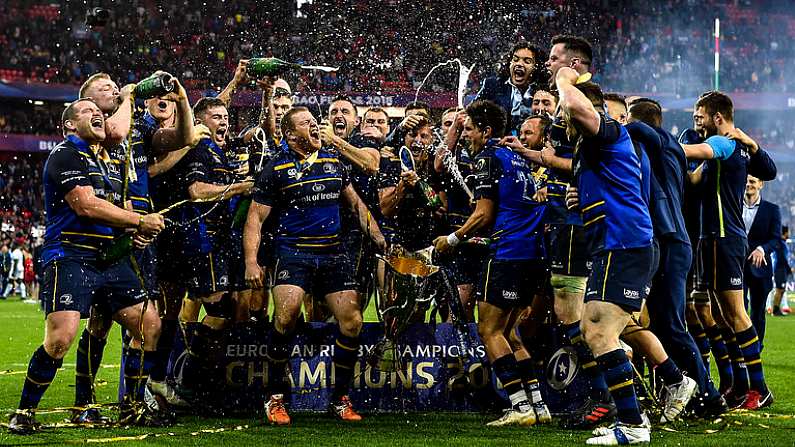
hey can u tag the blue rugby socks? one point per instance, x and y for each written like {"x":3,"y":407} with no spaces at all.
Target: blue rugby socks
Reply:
{"x":619,"y":376}
{"x":41,"y":372}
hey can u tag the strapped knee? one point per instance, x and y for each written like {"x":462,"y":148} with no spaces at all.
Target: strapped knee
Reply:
{"x":568,"y":284}
{"x":223,"y":308}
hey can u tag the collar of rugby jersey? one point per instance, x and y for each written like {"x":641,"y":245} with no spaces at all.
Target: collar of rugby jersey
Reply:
{"x":96,"y":149}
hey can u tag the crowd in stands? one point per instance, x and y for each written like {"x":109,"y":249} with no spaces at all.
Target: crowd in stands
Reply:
{"x":25,"y":118}
{"x":649,"y":47}
{"x":21,"y":193}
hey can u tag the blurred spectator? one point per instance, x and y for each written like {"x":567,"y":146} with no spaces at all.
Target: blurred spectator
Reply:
{"x":5,"y":269}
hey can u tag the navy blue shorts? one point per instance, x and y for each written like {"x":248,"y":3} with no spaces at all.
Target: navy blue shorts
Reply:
{"x":723,"y":260}
{"x":568,"y":250}
{"x":466,"y":263}
{"x":76,"y":285}
{"x":511,"y":284}
{"x":621,"y":277}
{"x":317,"y":274}
{"x":209,"y":274}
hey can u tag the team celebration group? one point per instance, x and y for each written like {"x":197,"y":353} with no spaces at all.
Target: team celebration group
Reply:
{"x":544,"y":193}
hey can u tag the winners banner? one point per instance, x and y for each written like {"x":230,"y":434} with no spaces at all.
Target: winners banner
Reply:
{"x":431,"y":377}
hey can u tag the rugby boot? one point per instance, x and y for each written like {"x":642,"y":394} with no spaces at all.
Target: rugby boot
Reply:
{"x":88,"y":416}
{"x":521,"y":414}
{"x":343,"y":410}
{"x":275,"y":411}
{"x":23,"y":422}
{"x":754,"y":400}
{"x":677,"y":396}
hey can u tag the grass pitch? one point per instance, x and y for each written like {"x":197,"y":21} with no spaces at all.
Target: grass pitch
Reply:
{"x":21,"y":331}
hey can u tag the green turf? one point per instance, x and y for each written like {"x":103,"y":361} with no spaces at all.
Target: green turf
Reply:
{"x":21,"y":332}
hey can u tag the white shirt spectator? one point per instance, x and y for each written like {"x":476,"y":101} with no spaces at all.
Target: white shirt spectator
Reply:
{"x":17,"y":264}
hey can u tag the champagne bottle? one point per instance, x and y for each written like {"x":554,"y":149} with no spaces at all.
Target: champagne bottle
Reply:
{"x":434,"y":201}
{"x":120,"y":247}
{"x":241,"y":213}
{"x":158,"y":84}
{"x":260,"y":67}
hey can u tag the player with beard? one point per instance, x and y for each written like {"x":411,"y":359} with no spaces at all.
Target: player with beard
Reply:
{"x":528,"y":145}
{"x":698,"y":312}
{"x":304,"y":188}
{"x":146,"y":140}
{"x":409,"y":214}
{"x":613,"y":203}
{"x":730,"y":156}
{"x":504,"y":191}
{"x":568,"y":253}
{"x":83,"y":198}
{"x":362,"y":162}
{"x":204,"y":241}
{"x":679,"y":389}
{"x":701,"y":323}
{"x":513,"y":88}
{"x":544,"y":102}
{"x":667,"y":298}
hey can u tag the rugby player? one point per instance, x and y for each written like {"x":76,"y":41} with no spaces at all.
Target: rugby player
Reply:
{"x":568,"y":253}
{"x":666,"y":302}
{"x":147,"y":140}
{"x":83,"y":199}
{"x":466,"y":261}
{"x":618,"y":229}
{"x":304,"y":187}
{"x":504,"y":193}
{"x":409,"y":216}
{"x":362,"y":162}
{"x":205,"y":173}
{"x":730,"y":156}
{"x":544,"y":102}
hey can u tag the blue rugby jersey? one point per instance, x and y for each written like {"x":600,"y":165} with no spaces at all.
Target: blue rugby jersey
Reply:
{"x":305,"y":200}
{"x":506,"y":178}
{"x":208,"y":163}
{"x":143,"y":130}
{"x":610,"y":182}
{"x":73,"y":163}
{"x":557,"y":180}
{"x":723,"y":185}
